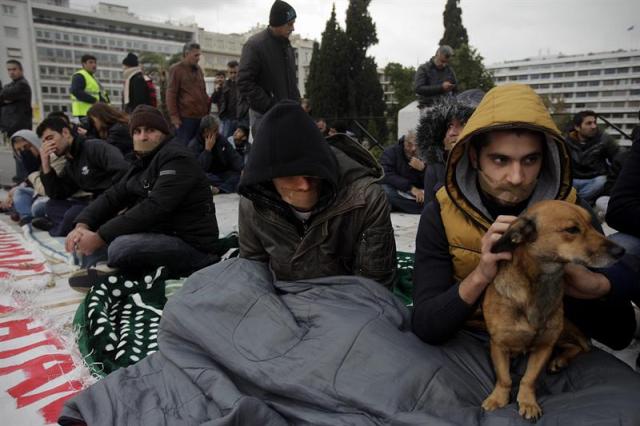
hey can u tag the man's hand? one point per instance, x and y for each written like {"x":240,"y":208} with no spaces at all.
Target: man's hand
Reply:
{"x":176,"y":122}
{"x":47,"y":148}
{"x":448,"y":86}
{"x":484,"y":273}
{"x":416,"y":163}
{"x":581,"y":283}
{"x":74,"y":237}
{"x":210,"y":141}
{"x":418,"y":193}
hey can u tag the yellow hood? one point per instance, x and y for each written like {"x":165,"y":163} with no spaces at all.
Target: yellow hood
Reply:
{"x":507,"y":107}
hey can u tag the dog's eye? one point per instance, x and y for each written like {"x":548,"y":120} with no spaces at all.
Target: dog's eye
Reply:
{"x":572,"y":230}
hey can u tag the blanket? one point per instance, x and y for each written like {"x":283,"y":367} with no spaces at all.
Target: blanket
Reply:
{"x":237,"y":347}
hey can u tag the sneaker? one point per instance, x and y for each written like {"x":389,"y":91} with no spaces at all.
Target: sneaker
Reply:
{"x":42,"y":223}
{"x":25,"y":221}
{"x":84,"y":279}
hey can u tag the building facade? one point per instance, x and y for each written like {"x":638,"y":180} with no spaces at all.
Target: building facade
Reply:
{"x":607,"y":83}
{"x":52,"y":37}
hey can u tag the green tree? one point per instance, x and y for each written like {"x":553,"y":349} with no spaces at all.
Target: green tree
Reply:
{"x":327,"y":82}
{"x":455,"y":34}
{"x":401,"y":79}
{"x":558,"y":109}
{"x":364,"y":95}
{"x":469,"y":69}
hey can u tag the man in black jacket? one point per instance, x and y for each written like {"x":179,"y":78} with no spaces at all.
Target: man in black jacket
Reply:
{"x":217,"y":157}
{"x":232,"y":109}
{"x":403,"y":179}
{"x":267,"y":65}
{"x":592,"y":154}
{"x":136,"y":90}
{"x":15,"y":107}
{"x":161,"y":213}
{"x":435,"y":78}
{"x":92,"y":166}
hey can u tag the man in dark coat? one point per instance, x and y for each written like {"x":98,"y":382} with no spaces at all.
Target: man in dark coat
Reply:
{"x":219,"y":160}
{"x":267,"y":64}
{"x":403,"y":179}
{"x":136,"y":90}
{"x":313,"y":207}
{"x":15,"y":107}
{"x":232,"y":109}
{"x":592,"y":154}
{"x":160,"y":213}
{"x":435,"y":78}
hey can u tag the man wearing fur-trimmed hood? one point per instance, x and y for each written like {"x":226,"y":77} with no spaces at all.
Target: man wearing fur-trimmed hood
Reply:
{"x":508,"y":156}
{"x":438,"y":131}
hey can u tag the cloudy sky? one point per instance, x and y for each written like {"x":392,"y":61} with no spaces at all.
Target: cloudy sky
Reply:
{"x":409,"y":30}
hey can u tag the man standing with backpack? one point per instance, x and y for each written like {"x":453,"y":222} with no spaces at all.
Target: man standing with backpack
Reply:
{"x":138,"y":88}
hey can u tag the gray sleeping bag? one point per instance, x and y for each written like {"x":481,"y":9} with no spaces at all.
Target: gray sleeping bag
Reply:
{"x":237,"y":348}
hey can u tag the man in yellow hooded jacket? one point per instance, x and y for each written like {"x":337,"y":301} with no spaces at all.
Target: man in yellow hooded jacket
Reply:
{"x":508,"y":156}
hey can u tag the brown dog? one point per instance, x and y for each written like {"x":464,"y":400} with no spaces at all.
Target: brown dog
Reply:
{"x":523,"y":308}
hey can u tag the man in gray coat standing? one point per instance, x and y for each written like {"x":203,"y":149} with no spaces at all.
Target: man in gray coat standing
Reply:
{"x":267,"y":65}
{"x":435,"y":78}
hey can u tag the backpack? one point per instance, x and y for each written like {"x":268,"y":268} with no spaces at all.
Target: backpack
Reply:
{"x":153,"y":94}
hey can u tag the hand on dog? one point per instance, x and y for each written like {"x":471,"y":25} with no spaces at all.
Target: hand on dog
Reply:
{"x":581,"y":283}
{"x":472,"y":287}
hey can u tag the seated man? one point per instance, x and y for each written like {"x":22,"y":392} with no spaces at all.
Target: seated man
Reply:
{"x":403,"y":179}
{"x":92,"y":166}
{"x":494,"y":172}
{"x":167,"y":217}
{"x":592,"y":154}
{"x":240,"y":142}
{"x":220,"y":162}
{"x":313,"y":207}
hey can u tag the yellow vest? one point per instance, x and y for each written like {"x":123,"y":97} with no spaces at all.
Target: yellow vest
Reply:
{"x":464,"y":234}
{"x":91,"y":86}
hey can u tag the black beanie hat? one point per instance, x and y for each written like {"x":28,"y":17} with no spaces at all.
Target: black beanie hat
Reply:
{"x":148,"y":116}
{"x":131,"y":60}
{"x":281,"y":13}
{"x":288,"y":143}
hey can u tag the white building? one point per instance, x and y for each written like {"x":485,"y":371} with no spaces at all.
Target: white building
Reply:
{"x":52,"y":37}
{"x":607,"y":83}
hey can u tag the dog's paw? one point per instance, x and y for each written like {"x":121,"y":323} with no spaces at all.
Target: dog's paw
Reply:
{"x":557,"y":364}
{"x":530,"y":410}
{"x":497,"y":399}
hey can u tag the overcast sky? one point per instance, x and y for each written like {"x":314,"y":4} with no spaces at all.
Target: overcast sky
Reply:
{"x":409,"y":30}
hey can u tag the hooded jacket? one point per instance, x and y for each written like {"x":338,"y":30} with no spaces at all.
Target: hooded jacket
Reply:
{"x":591,"y":158}
{"x":432,"y":130}
{"x":450,"y":230}
{"x":92,"y":166}
{"x":349,"y":232}
{"x":267,"y":71}
{"x":163,"y":192}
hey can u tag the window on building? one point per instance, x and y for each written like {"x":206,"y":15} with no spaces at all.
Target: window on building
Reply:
{"x":582,"y":83}
{"x":568,"y":84}
{"x":610,"y":71}
{"x":545,"y":75}
{"x":45,"y":89}
{"x":8,"y":10}
{"x":544,"y":86}
{"x":581,"y":95}
{"x":636,"y":69}
{"x":594,"y":83}
{"x":11,"y":32}
{"x":534,"y":76}
{"x":570,"y":74}
{"x":13,"y":52}
{"x":583,"y":72}
{"x":556,"y":85}
{"x":579,"y":105}
{"x":634,"y":92}
{"x":606,"y":104}
{"x":624,"y":59}
{"x":609,"y":83}
{"x":623,"y":70}
{"x":595,"y":72}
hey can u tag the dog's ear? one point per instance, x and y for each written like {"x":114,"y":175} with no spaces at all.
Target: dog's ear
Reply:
{"x":523,"y":230}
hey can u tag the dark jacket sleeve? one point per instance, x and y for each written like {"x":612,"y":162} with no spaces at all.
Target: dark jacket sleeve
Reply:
{"x":248,"y":75}
{"x":250,"y":246}
{"x":138,"y":91}
{"x":19,"y":91}
{"x":423,"y":84}
{"x":391,"y":175}
{"x":433,"y":181}
{"x":165,"y":197}
{"x":217,"y":97}
{"x":109,"y":158}
{"x":623,"y":212}
{"x":438,"y":312}
{"x":233,"y":159}
{"x":77,"y":89}
{"x":375,"y":255}
{"x":57,"y":187}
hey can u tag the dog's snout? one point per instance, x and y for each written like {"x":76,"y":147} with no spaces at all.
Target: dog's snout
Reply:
{"x":615,"y":251}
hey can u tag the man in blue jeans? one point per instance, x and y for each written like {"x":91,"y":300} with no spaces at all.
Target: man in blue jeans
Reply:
{"x":592,"y":153}
{"x":160,"y":213}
